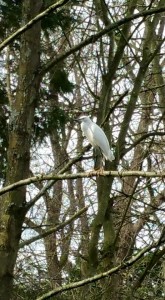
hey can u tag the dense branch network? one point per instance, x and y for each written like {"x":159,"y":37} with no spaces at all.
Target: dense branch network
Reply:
{"x":91,"y":39}
{"x":54,"y":229}
{"x":99,"y":276}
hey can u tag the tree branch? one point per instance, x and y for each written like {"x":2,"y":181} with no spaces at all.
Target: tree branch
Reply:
{"x":93,"y":38}
{"x":143,"y":137}
{"x":77,"y":284}
{"x":111,"y":110}
{"x":56,"y":177}
{"x":28,"y":25}
{"x":54,"y":229}
{"x":66,"y":168}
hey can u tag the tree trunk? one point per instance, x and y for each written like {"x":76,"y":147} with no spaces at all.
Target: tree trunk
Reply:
{"x":12,"y":210}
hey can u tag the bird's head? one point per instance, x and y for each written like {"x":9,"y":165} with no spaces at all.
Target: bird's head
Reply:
{"x":82,"y":119}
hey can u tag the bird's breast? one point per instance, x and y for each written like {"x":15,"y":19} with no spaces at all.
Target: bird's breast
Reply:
{"x":88,"y":132}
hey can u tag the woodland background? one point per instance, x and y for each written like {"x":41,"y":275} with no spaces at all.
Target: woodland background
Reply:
{"x":65,"y":225}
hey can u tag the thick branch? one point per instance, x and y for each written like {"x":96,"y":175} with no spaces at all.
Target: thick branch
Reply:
{"x":77,"y":284}
{"x":56,"y":177}
{"x":28,"y":25}
{"x":93,"y":38}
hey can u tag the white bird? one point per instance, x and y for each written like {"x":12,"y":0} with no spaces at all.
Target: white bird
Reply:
{"x":96,"y":136}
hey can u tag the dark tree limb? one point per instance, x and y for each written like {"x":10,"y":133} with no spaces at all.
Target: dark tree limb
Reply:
{"x":99,"y":276}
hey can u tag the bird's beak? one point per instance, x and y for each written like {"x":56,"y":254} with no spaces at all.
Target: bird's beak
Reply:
{"x":77,"y":120}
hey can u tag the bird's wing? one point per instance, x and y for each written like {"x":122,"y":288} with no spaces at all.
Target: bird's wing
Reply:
{"x":102,"y":142}
{"x":89,"y":133}
{"x":97,"y":138}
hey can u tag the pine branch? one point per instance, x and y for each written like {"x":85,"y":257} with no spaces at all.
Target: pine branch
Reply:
{"x":28,"y":25}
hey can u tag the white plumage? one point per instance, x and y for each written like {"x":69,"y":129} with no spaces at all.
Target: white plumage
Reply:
{"x":96,"y":136}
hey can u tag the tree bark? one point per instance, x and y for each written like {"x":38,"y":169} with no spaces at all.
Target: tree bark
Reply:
{"x":12,"y":210}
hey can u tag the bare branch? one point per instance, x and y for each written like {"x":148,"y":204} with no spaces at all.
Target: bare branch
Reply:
{"x":77,"y":284}
{"x":54,"y":229}
{"x":142,"y":138}
{"x":56,"y":177}
{"x":93,"y":38}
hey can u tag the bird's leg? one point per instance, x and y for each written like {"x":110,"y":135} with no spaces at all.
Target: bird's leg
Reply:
{"x":98,"y":160}
{"x":97,"y":155}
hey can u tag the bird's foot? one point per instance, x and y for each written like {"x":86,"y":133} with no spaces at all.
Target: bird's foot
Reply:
{"x":95,"y":172}
{"x":100,"y":171}
{"x":91,"y":172}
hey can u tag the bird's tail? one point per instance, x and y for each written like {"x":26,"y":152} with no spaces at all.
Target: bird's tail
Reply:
{"x":110,"y":156}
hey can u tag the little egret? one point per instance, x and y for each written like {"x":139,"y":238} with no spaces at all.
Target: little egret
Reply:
{"x":96,"y":136}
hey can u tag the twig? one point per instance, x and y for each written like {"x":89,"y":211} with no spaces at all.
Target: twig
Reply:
{"x":54,"y":229}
